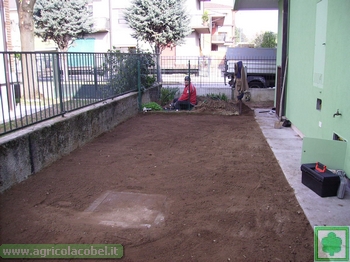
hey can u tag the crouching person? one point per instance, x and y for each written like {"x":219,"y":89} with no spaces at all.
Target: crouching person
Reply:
{"x":188,"y":99}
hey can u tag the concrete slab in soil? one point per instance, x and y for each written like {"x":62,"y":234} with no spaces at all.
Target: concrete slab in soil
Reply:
{"x":127,"y":210}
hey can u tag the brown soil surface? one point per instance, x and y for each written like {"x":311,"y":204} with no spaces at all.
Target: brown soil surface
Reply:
{"x":214,"y":106}
{"x":226,"y":197}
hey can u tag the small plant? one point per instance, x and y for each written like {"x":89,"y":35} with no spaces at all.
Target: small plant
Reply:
{"x":219,"y":96}
{"x":205,"y":17}
{"x":153,"y":106}
{"x":149,"y":81}
{"x":224,"y":97}
{"x":168,"y":94}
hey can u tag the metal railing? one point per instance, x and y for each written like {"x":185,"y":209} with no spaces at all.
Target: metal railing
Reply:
{"x":205,"y":71}
{"x":207,"y":74}
{"x":36,"y":86}
{"x":218,"y":38}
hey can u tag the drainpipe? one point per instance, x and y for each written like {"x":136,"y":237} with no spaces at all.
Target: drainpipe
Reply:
{"x":110,"y":24}
{"x":3,"y":28}
{"x":284,"y":47}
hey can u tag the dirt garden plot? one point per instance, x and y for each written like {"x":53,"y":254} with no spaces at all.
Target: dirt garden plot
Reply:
{"x":168,"y":187}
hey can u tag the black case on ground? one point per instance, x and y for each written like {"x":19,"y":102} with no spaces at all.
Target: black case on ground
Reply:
{"x":324,"y":184}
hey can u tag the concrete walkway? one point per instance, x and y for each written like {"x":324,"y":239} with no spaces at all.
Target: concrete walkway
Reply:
{"x":286,"y":144}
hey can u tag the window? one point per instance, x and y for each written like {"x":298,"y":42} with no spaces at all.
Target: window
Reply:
{"x":319,"y":104}
{"x":338,"y":138}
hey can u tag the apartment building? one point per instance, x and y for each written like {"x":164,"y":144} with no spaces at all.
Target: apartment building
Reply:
{"x":121,"y":33}
{"x":112,"y":30}
{"x":223,"y":29}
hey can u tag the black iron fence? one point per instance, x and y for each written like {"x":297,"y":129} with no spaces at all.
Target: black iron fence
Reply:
{"x":36,"y":86}
{"x":207,"y":73}
{"x":214,"y":75}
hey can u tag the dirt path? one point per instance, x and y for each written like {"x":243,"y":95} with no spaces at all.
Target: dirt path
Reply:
{"x":196,"y":188}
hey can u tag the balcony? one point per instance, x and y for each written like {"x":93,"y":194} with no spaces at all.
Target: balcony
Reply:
{"x":228,"y":40}
{"x":198,"y":25}
{"x":101,"y":24}
{"x":218,"y":19}
{"x":218,"y":39}
{"x":222,"y":39}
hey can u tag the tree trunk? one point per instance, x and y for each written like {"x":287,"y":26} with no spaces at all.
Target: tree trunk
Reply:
{"x":26,"y":28}
{"x":64,"y":63}
{"x":159,"y":73}
{"x":26,"y":23}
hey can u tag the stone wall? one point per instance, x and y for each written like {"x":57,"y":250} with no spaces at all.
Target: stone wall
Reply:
{"x":27,"y":151}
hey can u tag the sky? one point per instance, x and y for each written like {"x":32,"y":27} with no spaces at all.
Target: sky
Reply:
{"x":253,"y":22}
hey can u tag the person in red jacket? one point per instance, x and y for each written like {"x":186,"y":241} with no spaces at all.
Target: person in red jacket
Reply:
{"x":188,"y":99}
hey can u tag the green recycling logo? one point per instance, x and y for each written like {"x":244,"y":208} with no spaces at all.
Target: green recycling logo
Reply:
{"x":331,"y":244}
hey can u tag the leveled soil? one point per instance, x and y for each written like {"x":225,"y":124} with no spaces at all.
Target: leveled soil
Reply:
{"x":223,"y":195}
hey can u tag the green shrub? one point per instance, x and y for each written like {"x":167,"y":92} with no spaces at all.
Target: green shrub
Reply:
{"x":168,"y":94}
{"x":122,"y":69}
{"x":153,"y":105}
{"x":219,"y":96}
{"x":224,"y":97}
{"x":149,"y":81}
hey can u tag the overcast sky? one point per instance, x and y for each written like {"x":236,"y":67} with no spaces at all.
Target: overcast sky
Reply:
{"x":253,"y":22}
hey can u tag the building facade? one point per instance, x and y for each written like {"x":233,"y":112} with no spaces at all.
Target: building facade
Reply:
{"x":313,"y":39}
{"x":223,"y":29}
{"x":111,"y":30}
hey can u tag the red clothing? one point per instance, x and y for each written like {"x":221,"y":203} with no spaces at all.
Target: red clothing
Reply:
{"x":193,"y":94}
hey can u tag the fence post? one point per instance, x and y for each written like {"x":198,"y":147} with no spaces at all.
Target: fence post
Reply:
{"x":189,"y":85}
{"x":139,"y":84}
{"x":95,"y":72}
{"x":159,"y":74}
{"x":57,"y":79}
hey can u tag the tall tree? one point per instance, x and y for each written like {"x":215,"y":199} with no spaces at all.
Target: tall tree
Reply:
{"x":26,"y":29}
{"x":266,"y":40}
{"x":62,"y":21}
{"x":25,"y":22}
{"x":161,"y":23}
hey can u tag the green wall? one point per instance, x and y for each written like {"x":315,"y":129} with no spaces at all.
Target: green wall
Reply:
{"x":309,"y":55}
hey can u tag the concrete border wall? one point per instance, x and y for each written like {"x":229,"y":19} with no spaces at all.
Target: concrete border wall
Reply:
{"x":262,"y":94}
{"x":27,"y":151}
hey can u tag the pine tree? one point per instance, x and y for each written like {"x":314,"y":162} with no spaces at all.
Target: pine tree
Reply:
{"x":62,"y":21}
{"x":161,"y":23}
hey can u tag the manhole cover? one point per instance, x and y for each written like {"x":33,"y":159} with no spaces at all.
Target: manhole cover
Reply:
{"x":128,"y":210}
